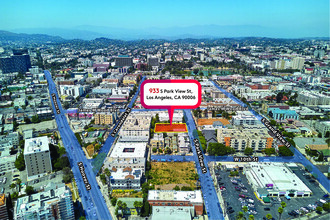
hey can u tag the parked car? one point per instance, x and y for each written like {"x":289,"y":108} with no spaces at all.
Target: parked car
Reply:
{"x":241,"y":195}
{"x":266,"y":209}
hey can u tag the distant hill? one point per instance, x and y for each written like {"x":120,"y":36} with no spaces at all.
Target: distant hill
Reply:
{"x":90,"y":32}
{"x":6,"y":36}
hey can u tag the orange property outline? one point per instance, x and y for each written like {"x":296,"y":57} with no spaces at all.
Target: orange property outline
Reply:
{"x":173,"y":124}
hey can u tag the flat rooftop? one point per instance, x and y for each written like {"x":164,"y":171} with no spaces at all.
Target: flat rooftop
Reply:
{"x":35,"y":145}
{"x":278,"y":174}
{"x":129,"y":150}
{"x":172,"y":195}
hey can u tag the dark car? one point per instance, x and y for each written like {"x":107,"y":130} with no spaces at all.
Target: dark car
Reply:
{"x":231,"y":211}
{"x":267,"y":209}
{"x":221,"y":184}
{"x":229,"y":208}
{"x":312,"y":181}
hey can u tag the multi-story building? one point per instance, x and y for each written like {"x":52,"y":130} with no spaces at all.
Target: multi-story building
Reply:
{"x":136,"y":125}
{"x":312,"y":98}
{"x":322,"y":127}
{"x":125,"y":178}
{"x":298,"y":63}
{"x":37,"y":157}
{"x":129,"y":154}
{"x":244,"y":117}
{"x":6,"y":207}
{"x":122,"y":61}
{"x":157,"y":141}
{"x":15,"y":63}
{"x":104,"y":118}
{"x":257,"y":139}
{"x":71,"y":90}
{"x":177,"y":198}
{"x":55,"y":202}
{"x":12,"y":138}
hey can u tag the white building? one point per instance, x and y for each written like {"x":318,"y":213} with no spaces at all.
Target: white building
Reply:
{"x":126,"y":155}
{"x":275,"y":179}
{"x":177,"y":116}
{"x":71,"y":90}
{"x":244,"y":117}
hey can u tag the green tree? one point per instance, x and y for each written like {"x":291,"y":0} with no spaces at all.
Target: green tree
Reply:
{"x":273,"y":123}
{"x":114,"y":201}
{"x":240,"y":215}
{"x":29,"y":190}
{"x":107,"y":172}
{"x":119,"y":203}
{"x":16,"y":108}
{"x":326,"y":206}
{"x":12,"y":186}
{"x":269,"y":151}
{"x":30,"y":97}
{"x":138,"y":205}
{"x":269,"y":216}
{"x":20,"y":162}
{"x":35,"y":119}
{"x":176,"y":188}
{"x":280,"y":211}
{"x":24,"y":107}
{"x":154,"y":150}
{"x":103,"y":179}
{"x":283,"y":205}
{"x":251,"y":217}
{"x":319,"y":209}
{"x":248,"y":151}
{"x":284,"y":151}
{"x":245,"y":209}
{"x":82,"y":218}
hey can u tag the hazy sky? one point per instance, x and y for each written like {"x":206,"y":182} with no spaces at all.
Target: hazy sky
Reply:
{"x":135,"y":14}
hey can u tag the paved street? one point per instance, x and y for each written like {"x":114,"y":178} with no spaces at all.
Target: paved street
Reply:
{"x":298,"y":156}
{"x":92,"y":200}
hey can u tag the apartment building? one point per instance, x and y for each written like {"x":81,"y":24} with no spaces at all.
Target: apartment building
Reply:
{"x":105,"y":118}
{"x":244,"y":118}
{"x":55,"y":202}
{"x":257,"y":139}
{"x":136,"y":125}
{"x":312,"y":98}
{"x":37,"y":157}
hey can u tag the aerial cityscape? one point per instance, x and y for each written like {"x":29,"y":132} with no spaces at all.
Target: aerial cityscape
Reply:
{"x":175,"y":110}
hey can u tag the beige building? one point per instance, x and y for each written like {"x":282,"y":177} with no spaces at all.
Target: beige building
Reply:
{"x":136,"y":125}
{"x":104,"y":118}
{"x":257,"y":139}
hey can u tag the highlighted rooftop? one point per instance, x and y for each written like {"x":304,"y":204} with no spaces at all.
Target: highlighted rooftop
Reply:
{"x":172,"y":128}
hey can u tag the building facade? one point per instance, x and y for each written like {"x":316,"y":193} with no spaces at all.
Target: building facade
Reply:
{"x":37,"y":157}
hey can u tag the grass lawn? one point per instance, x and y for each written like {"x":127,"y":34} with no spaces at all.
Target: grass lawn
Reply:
{"x":166,"y":175}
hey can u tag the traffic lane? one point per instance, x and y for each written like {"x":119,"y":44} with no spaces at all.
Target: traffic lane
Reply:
{"x":64,"y":131}
{"x":212,"y":205}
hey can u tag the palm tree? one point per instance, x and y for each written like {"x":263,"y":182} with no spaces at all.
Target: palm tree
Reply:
{"x":251,"y":217}
{"x":269,"y":216}
{"x":240,"y":216}
{"x":280,"y":211}
{"x":245,"y":209}
{"x":283,"y":204}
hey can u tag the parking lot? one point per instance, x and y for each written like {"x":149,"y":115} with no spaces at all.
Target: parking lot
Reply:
{"x":43,"y":181}
{"x":233,"y":189}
